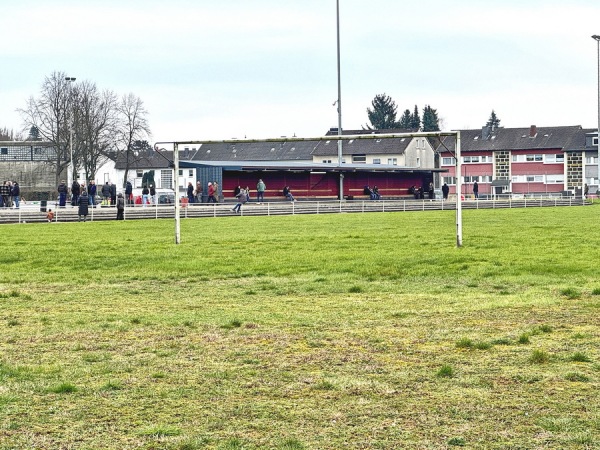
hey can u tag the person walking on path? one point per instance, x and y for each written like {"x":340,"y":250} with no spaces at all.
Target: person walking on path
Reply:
{"x":190,"y":192}
{"x":15,"y":192}
{"x":242,"y":198}
{"x":476,"y":189}
{"x":261,"y":187}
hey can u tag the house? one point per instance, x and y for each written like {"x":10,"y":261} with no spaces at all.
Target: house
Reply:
{"x":533,"y":160}
{"x":32,"y":164}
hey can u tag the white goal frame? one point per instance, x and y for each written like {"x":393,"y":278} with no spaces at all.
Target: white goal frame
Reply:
{"x":432,"y":134}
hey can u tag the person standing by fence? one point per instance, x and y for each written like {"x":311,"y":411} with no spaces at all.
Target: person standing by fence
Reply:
{"x":261,"y":187}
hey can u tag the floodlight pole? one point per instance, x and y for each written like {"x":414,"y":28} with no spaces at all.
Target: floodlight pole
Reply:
{"x":176,"y":188}
{"x":339,"y":101}
{"x":458,"y":193}
{"x":597,"y":39}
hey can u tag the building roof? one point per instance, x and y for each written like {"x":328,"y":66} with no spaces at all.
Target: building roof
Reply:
{"x":252,"y":151}
{"x":531,"y":138}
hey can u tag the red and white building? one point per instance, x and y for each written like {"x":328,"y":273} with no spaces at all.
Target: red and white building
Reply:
{"x":528,"y":161}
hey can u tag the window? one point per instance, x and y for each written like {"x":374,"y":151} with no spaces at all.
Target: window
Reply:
{"x":326,"y":161}
{"x":191,"y":173}
{"x":555,"y":179}
{"x":595,"y":141}
{"x":560,"y":158}
{"x":139,"y":173}
{"x":180,"y":172}
{"x":448,"y":161}
{"x":359,"y":159}
{"x":449,"y":180}
{"x":166,"y":178}
{"x":591,"y":160}
{"x":528,"y":158}
{"x":4,"y":151}
{"x":476,"y":159}
{"x":392,"y":161}
{"x":376,"y":160}
{"x":471,"y":179}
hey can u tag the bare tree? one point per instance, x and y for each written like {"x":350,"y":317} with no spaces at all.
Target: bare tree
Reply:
{"x":49,"y":115}
{"x":95,"y":125}
{"x":133,"y":127}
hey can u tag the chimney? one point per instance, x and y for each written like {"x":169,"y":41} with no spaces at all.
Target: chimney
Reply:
{"x":485,"y":133}
{"x":533,"y":131}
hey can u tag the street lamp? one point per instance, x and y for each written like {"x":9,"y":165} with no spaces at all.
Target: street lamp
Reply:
{"x":597,"y":39}
{"x":70,"y":80}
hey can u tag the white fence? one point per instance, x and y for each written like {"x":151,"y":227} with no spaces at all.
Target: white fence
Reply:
{"x":33,"y":213}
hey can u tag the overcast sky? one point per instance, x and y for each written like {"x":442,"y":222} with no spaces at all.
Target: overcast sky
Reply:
{"x":226,"y":69}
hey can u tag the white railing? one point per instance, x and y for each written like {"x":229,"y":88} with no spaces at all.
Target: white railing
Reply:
{"x":70,"y":214}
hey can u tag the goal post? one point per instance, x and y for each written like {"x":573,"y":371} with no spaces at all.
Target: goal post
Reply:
{"x":340,"y":138}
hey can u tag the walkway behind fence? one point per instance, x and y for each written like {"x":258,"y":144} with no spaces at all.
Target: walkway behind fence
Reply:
{"x":69,"y":214}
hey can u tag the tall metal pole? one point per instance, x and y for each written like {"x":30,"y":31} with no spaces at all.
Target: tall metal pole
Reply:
{"x":71,"y":169}
{"x":176,"y":188}
{"x":597,"y":38}
{"x":458,"y":193}
{"x":339,"y":100}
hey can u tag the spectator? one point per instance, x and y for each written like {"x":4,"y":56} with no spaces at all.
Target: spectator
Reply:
{"x":75,"y":191}
{"x":445,"y":190}
{"x":431,"y":192}
{"x":84,"y":201}
{"x":62,"y":194}
{"x":261,"y":187}
{"x":216,"y":186}
{"x":16,"y":193}
{"x":129,"y":192}
{"x":92,"y":190}
{"x":211,"y":193}
{"x":476,"y":189}
{"x":152,"y":195}
{"x":50,"y":216}
{"x":288,"y":194}
{"x":237,"y":191}
{"x":5,"y":194}
{"x":106,"y":194}
{"x":190,"y":192}
{"x":145,"y":192}
{"x":376,"y":195}
{"x":113,"y":194}
{"x":120,"y":207}
{"x":198,"y":192}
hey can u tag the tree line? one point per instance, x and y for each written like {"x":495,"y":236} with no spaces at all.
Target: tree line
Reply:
{"x":95,"y":125}
{"x":383,"y":116}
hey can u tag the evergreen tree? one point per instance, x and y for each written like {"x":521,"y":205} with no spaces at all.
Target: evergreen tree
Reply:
{"x":415,"y":120}
{"x":430,"y":119}
{"x":382,"y":115}
{"x":493,"y":122}
{"x":405,"y":120}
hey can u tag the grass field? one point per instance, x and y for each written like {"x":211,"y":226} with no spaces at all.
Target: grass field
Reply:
{"x":349,"y":331}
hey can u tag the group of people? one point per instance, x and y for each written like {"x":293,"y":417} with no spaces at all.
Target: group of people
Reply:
{"x":194,"y":194}
{"x":372,"y":193}
{"x":10,"y":194}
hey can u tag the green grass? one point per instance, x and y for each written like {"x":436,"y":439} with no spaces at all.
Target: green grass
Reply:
{"x":354,"y":331}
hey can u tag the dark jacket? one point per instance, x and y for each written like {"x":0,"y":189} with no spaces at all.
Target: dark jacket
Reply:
{"x":75,"y":188}
{"x":106,"y":190}
{"x":84,"y":201}
{"x":62,"y":188}
{"x":128,"y":188}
